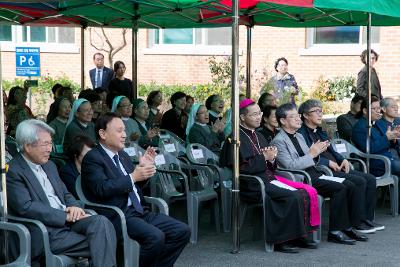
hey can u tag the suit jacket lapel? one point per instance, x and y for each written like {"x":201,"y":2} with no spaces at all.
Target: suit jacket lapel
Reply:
{"x":109,"y":161}
{"x":32,"y":180}
{"x":289,"y":143}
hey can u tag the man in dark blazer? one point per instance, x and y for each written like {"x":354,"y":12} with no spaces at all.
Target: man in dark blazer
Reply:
{"x":363,"y":197}
{"x":109,"y":177}
{"x":36,"y":191}
{"x":101,"y":75}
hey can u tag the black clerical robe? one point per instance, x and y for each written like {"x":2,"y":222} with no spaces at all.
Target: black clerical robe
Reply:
{"x":287,"y":211}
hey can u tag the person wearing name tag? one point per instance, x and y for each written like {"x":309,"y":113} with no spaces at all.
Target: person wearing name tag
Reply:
{"x":292,"y":207}
{"x":294,"y":154}
{"x":364,"y":195}
{"x":109,"y":177}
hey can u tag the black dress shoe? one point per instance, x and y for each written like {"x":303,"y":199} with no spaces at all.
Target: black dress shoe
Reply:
{"x":286,"y":248}
{"x":355,"y":235}
{"x":340,"y":238}
{"x":305,"y":243}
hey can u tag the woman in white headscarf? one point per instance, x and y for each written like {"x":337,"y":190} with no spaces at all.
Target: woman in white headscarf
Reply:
{"x":123,"y":107}
{"x":198,"y":131}
{"x":79,"y":122}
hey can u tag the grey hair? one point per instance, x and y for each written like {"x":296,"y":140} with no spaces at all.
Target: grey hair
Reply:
{"x":386,"y":102}
{"x":28,"y":130}
{"x":307,"y":105}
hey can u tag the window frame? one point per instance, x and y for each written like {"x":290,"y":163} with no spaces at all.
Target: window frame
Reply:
{"x":184,"y":49}
{"x":48,"y":47}
{"x":312,"y":49}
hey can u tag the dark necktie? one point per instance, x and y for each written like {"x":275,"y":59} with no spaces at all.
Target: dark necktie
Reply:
{"x":99,"y":82}
{"x":134,"y":199}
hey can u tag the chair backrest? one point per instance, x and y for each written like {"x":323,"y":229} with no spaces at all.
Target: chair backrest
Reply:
{"x":11,"y":146}
{"x":344,"y":148}
{"x":198,"y":153}
{"x":171,"y":143}
{"x":134,"y":152}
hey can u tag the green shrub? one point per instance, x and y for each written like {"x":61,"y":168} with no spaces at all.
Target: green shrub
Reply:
{"x":334,"y":89}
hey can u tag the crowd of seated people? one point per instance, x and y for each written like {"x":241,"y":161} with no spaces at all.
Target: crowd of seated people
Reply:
{"x":271,"y":136}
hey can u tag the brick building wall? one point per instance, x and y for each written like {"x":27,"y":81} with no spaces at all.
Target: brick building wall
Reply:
{"x":267,"y":44}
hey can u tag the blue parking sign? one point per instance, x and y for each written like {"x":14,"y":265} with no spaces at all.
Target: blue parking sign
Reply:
{"x":27,"y":61}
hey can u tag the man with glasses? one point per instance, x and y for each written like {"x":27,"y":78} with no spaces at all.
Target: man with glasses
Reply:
{"x":363,"y":197}
{"x":390,"y":120}
{"x":295,"y":154}
{"x":36,"y":191}
{"x":380,"y":140}
{"x":100,"y":76}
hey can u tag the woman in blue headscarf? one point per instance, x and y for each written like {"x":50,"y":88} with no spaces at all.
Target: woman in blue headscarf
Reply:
{"x":123,"y":107}
{"x":79,"y":122}
{"x":198,"y":131}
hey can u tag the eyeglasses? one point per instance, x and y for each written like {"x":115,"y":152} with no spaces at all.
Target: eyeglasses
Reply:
{"x":255,"y":114}
{"x":44,"y":144}
{"x":318,"y":111}
{"x":377,"y":109}
{"x":294,"y":116}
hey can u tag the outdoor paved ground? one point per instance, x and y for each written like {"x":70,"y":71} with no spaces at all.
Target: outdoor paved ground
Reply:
{"x":382,"y":249}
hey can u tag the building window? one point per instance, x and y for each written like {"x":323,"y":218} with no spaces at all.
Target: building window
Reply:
{"x":48,"y":34}
{"x":190,"y":41}
{"x":5,"y":33}
{"x":344,"y":35}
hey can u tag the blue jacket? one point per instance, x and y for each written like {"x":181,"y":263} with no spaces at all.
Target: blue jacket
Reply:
{"x":305,"y":131}
{"x":379,"y":144}
{"x":384,"y":124}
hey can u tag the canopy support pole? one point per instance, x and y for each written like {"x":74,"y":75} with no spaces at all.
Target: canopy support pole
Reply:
{"x":3,"y":160}
{"x":248,"y":62}
{"x":135,"y":27}
{"x":369,"y":86}
{"x":235,"y":124}
{"x":83,"y":58}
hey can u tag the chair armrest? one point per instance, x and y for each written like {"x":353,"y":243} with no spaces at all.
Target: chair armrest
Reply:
{"x":256,"y":179}
{"x":160,"y":203}
{"x":360,"y":161}
{"x":324,"y":169}
{"x":205,"y":169}
{"x":38,"y":224}
{"x":301,"y":172}
{"x":24,"y":237}
{"x":385,"y":160}
{"x":285,"y":174}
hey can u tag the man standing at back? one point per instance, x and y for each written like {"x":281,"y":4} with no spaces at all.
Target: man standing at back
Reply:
{"x":109,"y":177}
{"x":100,"y":76}
{"x":36,"y":191}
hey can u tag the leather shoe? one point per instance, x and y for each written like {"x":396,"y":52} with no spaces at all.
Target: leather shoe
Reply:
{"x":305,"y":243}
{"x":340,"y":238}
{"x":355,"y":235}
{"x":286,"y":248}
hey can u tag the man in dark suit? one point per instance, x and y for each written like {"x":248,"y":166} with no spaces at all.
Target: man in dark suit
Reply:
{"x":101,"y":75}
{"x":109,"y":177}
{"x":36,"y":191}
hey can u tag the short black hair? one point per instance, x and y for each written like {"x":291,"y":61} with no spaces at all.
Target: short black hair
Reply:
{"x":282,"y":111}
{"x":263,"y":96}
{"x":103,"y":121}
{"x":89,"y":95}
{"x":97,"y":54}
{"x":55,"y":88}
{"x":357,"y":98}
{"x":11,"y":95}
{"x":151,"y":96}
{"x":100,"y":90}
{"x":277,"y":62}
{"x":267,"y":110}
{"x":210,"y":100}
{"x":365,"y":104}
{"x":77,"y":144}
{"x":176,"y":96}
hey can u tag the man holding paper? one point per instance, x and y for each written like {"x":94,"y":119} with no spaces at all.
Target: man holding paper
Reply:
{"x":292,"y":208}
{"x":365,"y":190}
{"x":296,"y":155}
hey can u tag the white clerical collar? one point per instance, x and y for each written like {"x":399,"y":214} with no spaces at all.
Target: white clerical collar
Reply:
{"x":252,"y":131}
{"x":201,"y":124}
{"x":84,"y":125}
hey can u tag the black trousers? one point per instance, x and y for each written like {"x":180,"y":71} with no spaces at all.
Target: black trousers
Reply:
{"x":363,"y":200}
{"x":161,"y":238}
{"x":337,"y":192}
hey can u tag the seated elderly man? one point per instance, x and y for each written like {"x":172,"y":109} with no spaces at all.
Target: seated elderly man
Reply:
{"x":390,"y":119}
{"x":381,"y":137}
{"x":293,"y":153}
{"x":109,"y":177}
{"x":345,"y":122}
{"x":365,"y":190}
{"x":36,"y":191}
